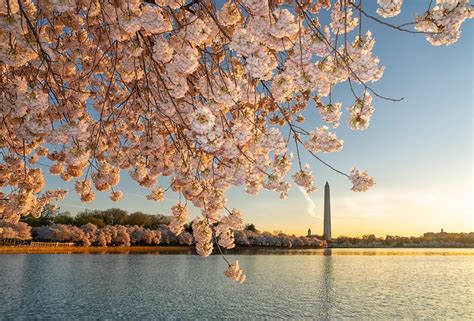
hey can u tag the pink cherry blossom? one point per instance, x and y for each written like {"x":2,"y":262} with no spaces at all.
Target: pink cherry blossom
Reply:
{"x":203,"y":96}
{"x":235,"y":273}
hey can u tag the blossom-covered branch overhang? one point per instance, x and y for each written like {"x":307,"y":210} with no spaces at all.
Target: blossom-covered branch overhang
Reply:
{"x":187,"y":90}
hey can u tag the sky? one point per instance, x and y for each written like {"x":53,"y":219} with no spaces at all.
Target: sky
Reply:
{"x":419,"y":150}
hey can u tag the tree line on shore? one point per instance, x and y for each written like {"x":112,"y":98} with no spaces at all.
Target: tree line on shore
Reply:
{"x":250,"y":237}
{"x":115,"y":227}
{"x":100,"y":218}
{"x":89,"y":234}
{"x":430,"y":239}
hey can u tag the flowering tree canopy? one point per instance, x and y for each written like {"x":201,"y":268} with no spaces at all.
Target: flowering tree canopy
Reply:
{"x":203,"y":94}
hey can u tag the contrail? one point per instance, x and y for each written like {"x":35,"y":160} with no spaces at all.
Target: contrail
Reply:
{"x":311,"y":206}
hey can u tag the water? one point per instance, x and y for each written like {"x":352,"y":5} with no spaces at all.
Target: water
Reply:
{"x":349,"y":284}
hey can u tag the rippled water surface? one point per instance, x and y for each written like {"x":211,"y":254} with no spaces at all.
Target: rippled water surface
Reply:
{"x":349,"y":284}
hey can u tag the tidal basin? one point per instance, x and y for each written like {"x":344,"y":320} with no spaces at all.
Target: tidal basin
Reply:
{"x":319,"y":284}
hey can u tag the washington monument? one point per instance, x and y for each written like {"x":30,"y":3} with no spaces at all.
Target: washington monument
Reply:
{"x":327,"y":213}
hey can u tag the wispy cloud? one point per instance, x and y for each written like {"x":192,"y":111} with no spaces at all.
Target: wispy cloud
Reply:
{"x":310,"y":206}
{"x":72,"y":205}
{"x":143,"y":197}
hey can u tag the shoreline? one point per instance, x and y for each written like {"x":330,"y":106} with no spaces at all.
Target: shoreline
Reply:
{"x":256,"y":250}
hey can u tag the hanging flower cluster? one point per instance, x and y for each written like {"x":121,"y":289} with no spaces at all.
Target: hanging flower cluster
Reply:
{"x":305,"y":179}
{"x":389,"y":8}
{"x":361,"y":112}
{"x":226,"y":227}
{"x":185,"y":90}
{"x":321,"y":140}
{"x":443,"y":22}
{"x":179,"y":218}
{"x":235,"y":273}
{"x":156,"y":194}
{"x":361,"y":181}
{"x":330,"y":113}
{"x":202,"y":233}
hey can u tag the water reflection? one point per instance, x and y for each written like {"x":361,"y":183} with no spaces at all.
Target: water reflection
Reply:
{"x":324,"y":286}
{"x":326,"y":289}
{"x":327,"y":252}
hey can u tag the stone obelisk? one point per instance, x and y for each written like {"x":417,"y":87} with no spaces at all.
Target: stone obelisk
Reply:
{"x":327,"y":213}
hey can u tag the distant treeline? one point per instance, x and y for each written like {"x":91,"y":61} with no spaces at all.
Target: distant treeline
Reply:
{"x":117,"y":227}
{"x":430,"y":239}
{"x":277,"y":239}
{"x":91,"y":235}
{"x":101,"y":218}
{"x":114,"y":227}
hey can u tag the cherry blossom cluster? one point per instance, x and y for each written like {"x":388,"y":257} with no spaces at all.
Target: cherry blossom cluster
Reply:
{"x":443,"y":22}
{"x":305,"y":179}
{"x":251,"y":238}
{"x":180,"y":216}
{"x":361,"y":181}
{"x":203,"y":236}
{"x":226,"y":227}
{"x":18,"y":231}
{"x":342,"y":20}
{"x":389,"y":8}
{"x":156,"y":194}
{"x":330,"y":113}
{"x":28,"y":197}
{"x":321,"y":140}
{"x":361,"y":112}
{"x":362,"y":63}
{"x":116,"y":196}
{"x":198,"y":94}
{"x":235,"y":273}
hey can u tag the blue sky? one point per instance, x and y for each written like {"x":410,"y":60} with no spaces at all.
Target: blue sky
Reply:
{"x":419,"y":150}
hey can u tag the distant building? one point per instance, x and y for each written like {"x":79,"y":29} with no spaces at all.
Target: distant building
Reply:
{"x":309,"y":232}
{"x":327,"y":213}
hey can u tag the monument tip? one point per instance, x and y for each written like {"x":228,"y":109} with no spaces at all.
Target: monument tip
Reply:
{"x":327,"y":184}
